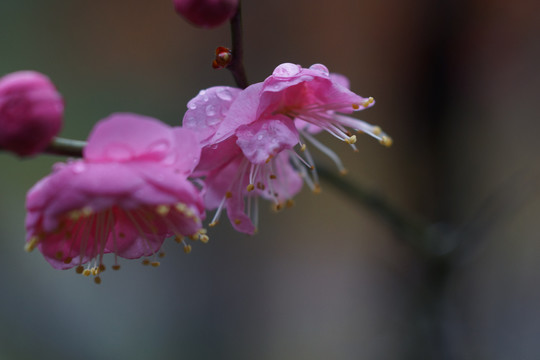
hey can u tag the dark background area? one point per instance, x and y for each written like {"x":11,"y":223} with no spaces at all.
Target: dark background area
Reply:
{"x":457,"y":86}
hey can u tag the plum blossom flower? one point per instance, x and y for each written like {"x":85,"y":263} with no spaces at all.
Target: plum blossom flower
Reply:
{"x":314,"y":98}
{"x":252,"y":162}
{"x":31,"y":112}
{"x":206,"y":13}
{"x":128,"y":193}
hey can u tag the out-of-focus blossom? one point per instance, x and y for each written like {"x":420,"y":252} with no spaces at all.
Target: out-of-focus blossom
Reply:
{"x":31,"y":112}
{"x":206,"y":13}
{"x":128,"y":193}
{"x":253,"y":162}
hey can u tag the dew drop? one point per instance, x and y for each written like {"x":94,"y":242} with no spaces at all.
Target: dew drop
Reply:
{"x":211,"y":121}
{"x":159,"y":147}
{"x":191,"y":105}
{"x":224,"y":95}
{"x":321,"y":68}
{"x":286,"y":70}
{"x":206,"y":98}
{"x":202,"y":92}
{"x":118,"y":152}
{"x":210,"y":110}
{"x":78,"y":167}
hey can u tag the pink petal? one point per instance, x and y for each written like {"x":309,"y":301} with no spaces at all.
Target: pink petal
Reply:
{"x":207,"y":110}
{"x":127,"y":137}
{"x":266,"y":138}
{"x":242,"y":112}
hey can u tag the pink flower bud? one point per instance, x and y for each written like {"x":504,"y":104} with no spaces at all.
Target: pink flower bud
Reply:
{"x":31,"y":112}
{"x":206,"y":13}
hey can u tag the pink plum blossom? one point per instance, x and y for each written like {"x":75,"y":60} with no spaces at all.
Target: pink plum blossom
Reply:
{"x":128,"y":193}
{"x":31,"y":112}
{"x":252,"y":162}
{"x":314,"y":98}
{"x":206,"y":13}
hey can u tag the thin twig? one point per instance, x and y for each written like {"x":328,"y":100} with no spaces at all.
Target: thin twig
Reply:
{"x":66,"y":147}
{"x":237,"y":64}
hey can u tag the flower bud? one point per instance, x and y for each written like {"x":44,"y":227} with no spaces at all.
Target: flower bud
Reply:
{"x":31,"y":112}
{"x":206,"y":13}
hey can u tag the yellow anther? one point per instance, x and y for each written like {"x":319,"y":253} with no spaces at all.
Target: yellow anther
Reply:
{"x":178,"y":238}
{"x":187,"y":249}
{"x":260,"y":186}
{"x":194,"y":237}
{"x":213,"y":223}
{"x":343,"y":172}
{"x":250,"y":187}
{"x":351,"y":140}
{"x":97,"y":280}
{"x":59,"y":255}
{"x":273,"y":177}
{"x":203,"y":231}
{"x":368,"y":102}
{"x":289,"y":203}
{"x":317,"y":189}
{"x":146,"y":262}
{"x":355,"y":106}
{"x":94,"y":271}
{"x":278,"y":207}
{"x":116,"y":267}
{"x":204,"y":239}
{"x":163,"y":210}
{"x":68,"y":260}
{"x":74,"y":215}
{"x":377,"y":130}
{"x":303,"y":147}
{"x":269,"y":158}
{"x":237,"y":221}
{"x":79,"y":269}
{"x":155,"y":263}
{"x":86,"y":272}
{"x":181,"y":207}
{"x":87,"y":211}
{"x":101,"y":268}
{"x":161,"y":254}
{"x":228,"y":195}
{"x":31,"y":245}
{"x":386,"y":141}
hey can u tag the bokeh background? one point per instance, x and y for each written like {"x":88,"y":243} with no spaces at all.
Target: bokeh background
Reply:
{"x":457,"y":87}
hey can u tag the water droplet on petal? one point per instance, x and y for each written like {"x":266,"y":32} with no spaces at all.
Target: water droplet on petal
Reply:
{"x":118,"y":152}
{"x":191,"y":105}
{"x":78,"y":168}
{"x":159,"y":147}
{"x":206,"y":98}
{"x":224,"y":95}
{"x":287,"y":70}
{"x":321,"y":68}
{"x":169,"y":160}
{"x":210,"y":110}
{"x":202,"y":92}
{"x":211,"y":121}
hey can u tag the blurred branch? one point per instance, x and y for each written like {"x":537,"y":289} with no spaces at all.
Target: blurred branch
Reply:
{"x":413,"y":230}
{"x":66,"y":147}
{"x":237,"y":64}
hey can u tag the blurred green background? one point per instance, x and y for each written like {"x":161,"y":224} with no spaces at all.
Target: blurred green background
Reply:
{"x":457,"y":86}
